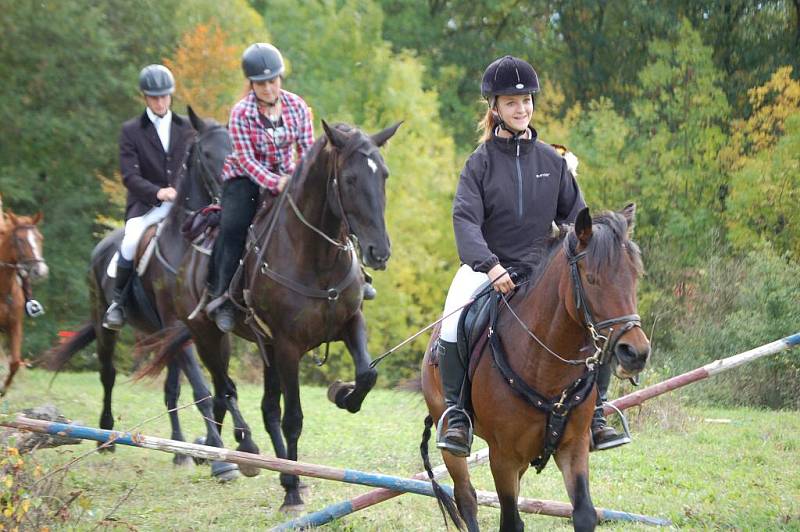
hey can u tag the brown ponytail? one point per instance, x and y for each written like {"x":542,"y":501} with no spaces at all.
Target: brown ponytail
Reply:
{"x":487,"y":124}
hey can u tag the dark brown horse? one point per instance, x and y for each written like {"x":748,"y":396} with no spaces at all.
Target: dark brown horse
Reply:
{"x":150,"y":305}
{"x":303,"y":286}
{"x":21,"y":262}
{"x":581,"y":305}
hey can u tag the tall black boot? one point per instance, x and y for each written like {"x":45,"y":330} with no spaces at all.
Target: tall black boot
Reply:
{"x":604,"y":436}
{"x":114,"y":318}
{"x":457,"y":438}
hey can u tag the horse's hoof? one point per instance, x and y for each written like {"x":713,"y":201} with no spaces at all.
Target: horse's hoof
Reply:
{"x":293,"y":509}
{"x":249,"y":470}
{"x":224,"y":471}
{"x":182,"y":460}
{"x":200,"y":440}
{"x":106,"y":448}
{"x":339,"y":391}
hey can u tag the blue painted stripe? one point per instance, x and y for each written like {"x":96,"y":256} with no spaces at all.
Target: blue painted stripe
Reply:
{"x":420,"y":487}
{"x":88,"y":433}
{"x":614,"y":515}
{"x":793,"y":340}
{"x":319,"y":518}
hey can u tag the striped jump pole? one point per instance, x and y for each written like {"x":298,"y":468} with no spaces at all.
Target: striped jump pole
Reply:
{"x":351,"y":476}
{"x":360,"y":502}
{"x":704,"y":372}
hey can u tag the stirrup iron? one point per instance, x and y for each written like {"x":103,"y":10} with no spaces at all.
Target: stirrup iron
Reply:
{"x":623,"y":439}
{"x":441,"y":444}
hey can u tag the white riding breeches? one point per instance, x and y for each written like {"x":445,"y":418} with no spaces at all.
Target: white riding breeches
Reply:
{"x":135,"y":227}
{"x":464,"y":284}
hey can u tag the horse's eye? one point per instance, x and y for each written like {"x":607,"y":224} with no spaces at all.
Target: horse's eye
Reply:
{"x":591,"y":278}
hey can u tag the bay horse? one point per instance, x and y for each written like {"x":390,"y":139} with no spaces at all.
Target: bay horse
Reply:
{"x":21,"y":262}
{"x":303,"y":287}
{"x":150,"y":306}
{"x":533,"y":390}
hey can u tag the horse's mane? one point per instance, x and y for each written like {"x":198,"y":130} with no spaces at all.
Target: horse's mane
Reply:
{"x":609,"y":241}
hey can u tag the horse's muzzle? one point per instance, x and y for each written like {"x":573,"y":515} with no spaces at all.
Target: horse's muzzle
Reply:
{"x":40,"y":272}
{"x":375,"y":258}
{"x":631,"y":358}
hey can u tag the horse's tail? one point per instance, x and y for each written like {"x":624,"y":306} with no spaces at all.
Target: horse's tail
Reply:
{"x":171,"y":348}
{"x":444,"y":500}
{"x":55,"y":358}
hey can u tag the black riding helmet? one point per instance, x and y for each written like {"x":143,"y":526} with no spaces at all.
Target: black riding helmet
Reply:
{"x":156,"y":80}
{"x":507,"y":76}
{"x":261,"y":62}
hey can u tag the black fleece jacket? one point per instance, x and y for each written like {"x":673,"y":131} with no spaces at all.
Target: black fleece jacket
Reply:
{"x":509,"y":193}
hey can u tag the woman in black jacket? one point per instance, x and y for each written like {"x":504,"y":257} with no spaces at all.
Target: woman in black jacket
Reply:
{"x":512,"y":189}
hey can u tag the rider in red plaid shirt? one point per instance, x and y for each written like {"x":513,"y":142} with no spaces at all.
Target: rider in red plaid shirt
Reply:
{"x":264,"y":153}
{"x":266,"y":126}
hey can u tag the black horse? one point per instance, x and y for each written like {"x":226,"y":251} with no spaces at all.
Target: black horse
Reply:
{"x":152,"y":295}
{"x":301,"y":287}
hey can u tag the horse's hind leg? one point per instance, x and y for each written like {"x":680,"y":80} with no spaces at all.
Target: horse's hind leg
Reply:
{"x":106,"y":339}
{"x":573,"y":461}
{"x":350,"y":395}
{"x":172,"y":392}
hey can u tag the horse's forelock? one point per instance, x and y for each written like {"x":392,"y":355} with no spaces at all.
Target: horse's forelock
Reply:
{"x":608,"y":243}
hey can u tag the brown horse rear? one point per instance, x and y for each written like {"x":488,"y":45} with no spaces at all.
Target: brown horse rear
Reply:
{"x":20,"y":261}
{"x":513,"y":428}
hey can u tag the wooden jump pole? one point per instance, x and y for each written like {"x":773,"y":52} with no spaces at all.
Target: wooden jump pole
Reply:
{"x":365,"y":500}
{"x":704,"y":372}
{"x":351,"y":476}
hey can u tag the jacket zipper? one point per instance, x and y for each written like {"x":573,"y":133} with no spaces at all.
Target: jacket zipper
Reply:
{"x":519,"y":183}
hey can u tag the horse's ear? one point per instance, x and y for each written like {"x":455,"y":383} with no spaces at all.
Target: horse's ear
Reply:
{"x":38,"y":217}
{"x":11,"y":217}
{"x":629,"y":213}
{"x":381,"y":137}
{"x":197,"y":122}
{"x":583,"y":226}
{"x":336,"y":137}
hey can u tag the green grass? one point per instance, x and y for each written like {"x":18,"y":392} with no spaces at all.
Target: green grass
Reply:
{"x":742,"y":475}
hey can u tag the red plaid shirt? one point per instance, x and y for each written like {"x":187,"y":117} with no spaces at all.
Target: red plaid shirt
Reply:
{"x":264,"y":155}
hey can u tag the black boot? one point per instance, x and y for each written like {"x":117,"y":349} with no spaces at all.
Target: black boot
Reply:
{"x":224,"y":317}
{"x":604,"y":436}
{"x":114,"y":318}
{"x":457,"y":439}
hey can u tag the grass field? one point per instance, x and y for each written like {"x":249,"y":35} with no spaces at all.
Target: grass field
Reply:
{"x":685,"y":465}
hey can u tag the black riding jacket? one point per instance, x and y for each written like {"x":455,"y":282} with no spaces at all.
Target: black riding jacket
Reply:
{"x":509,"y":193}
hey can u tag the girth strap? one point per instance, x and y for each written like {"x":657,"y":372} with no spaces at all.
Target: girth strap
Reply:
{"x":557,"y":409}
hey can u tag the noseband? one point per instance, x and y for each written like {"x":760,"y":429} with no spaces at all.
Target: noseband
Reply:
{"x":603,"y":344}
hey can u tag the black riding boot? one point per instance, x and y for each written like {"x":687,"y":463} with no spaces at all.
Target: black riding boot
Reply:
{"x":604,"y":436}
{"x":239,"y":201}
{"x":114,"y":318}
{"x":457,"y":438}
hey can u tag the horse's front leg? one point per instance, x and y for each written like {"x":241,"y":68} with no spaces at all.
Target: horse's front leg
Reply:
{"x":271,"y":404}
{"x":287,"y":358}
{"x":350,"y":395}
{"x":506,"y":472}
{"x":572,"y":459}
{"x":106,"y":340}
{"x":15,"y":347}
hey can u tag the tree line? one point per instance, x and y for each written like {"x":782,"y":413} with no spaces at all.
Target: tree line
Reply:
{"x":690,"y":109}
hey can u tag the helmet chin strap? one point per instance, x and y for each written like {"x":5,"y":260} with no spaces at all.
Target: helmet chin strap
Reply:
{"x":502,"y":125}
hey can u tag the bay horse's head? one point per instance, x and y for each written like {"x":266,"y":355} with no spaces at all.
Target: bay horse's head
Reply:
{"x":26,"y":244}
{"x":357,"y":192}
{"x":605,"y":266}
{"x":206,"y":157}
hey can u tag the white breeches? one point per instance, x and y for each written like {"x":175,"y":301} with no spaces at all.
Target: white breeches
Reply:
{"x":135,"y":227}
{"x":464,"y":284}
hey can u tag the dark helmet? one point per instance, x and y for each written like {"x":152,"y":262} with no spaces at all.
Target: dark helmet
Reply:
{"x":508,"y":76}
{"x":262,"y":61}
{"x":156,"y":80}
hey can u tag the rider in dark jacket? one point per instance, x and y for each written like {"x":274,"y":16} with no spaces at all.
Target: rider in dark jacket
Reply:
{"x":512,"y":190}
